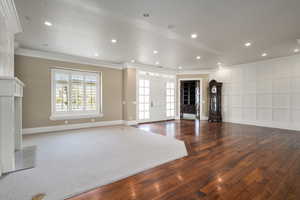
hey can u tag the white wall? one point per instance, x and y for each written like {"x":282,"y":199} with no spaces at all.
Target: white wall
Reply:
{"x":265,"y":93}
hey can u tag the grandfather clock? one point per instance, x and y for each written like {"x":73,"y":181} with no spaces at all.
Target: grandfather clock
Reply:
{"x":215,"y":94}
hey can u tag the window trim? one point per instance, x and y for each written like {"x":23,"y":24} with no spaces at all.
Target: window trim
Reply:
{"x":75,"y":114}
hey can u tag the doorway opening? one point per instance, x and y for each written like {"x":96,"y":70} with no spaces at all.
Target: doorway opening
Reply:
{"x":190,"y":99}
{"x":156,"y":97}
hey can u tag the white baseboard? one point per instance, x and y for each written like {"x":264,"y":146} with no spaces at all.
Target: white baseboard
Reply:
{"x":177,"y":117}
{"x":130,"y":123}
{"x":286,"y":126}
{"x":203,"y":118}
{"x":28,"y":131}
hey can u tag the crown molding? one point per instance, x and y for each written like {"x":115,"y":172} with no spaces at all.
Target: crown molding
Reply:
{"x":204,"y":71}
{"x":67,"y":58}
{"x":100,"y":63}
{"x":9,"y":12}
{"x":150,"y":68}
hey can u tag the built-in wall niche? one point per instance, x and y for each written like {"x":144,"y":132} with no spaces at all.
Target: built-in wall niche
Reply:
{"x":263,"y":93}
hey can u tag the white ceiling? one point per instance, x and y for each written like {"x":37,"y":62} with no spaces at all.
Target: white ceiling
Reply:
{"x":84,"y":27}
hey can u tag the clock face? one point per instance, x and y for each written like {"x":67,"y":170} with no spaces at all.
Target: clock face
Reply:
{"x":214,"y":90}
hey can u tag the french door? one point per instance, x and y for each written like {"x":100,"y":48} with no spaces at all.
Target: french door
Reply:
{"x":156,"y":97}
{"x":144,"y":100}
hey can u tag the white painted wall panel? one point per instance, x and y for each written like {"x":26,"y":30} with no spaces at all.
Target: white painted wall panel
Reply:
{"x":236,"y":113}
{"x":295,"y":101}
{"x":264,"y":86}
{"x":281,"y":85}
{"x":249,"y":100}
{"x":249,"y":114}
{"x":295,"y":116}
{"x":295,"y":84}
{"x":264,"y":115}
{"x":281,"y":115}
{"x":264,"y":100}
{"x":264,"y":93}
{"x":281,"y":100}
{"x":236,"y":101}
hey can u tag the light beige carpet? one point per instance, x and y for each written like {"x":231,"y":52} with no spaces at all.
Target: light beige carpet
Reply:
{"x":72,"y":162}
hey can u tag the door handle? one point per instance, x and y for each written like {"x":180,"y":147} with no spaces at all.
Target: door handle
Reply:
{"x":151,"y":104}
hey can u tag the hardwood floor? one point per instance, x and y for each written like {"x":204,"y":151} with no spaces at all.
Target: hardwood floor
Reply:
{"x":226,"y":161}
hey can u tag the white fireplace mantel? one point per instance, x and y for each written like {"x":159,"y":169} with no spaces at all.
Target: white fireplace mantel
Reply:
{"x":11,"y":89}
{"x":10,"y":86}
{"x":11,"y":93}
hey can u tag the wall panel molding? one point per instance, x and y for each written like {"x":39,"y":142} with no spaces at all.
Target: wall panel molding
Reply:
{"x":265,"y":93}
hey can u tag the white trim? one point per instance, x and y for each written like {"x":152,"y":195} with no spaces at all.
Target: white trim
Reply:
{"x":148,"y":76}
{"x":102,"y":63}
{"x":130,"y":123}
{"x":74,"y":116}
{"x":68,"y":58}
{"x":10,"y":86}
{"x":204,"y":71}
{"x":201,"y":92}
{"x":137,"y":95}
{"x":150,"y":68}
{"x":28,"y":131}
{"x":203,"y":118}
{"x":9,"y":11}
{"x":285,"y":126}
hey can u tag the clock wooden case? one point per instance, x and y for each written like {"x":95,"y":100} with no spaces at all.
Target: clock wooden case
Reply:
{"x":215,"y":95}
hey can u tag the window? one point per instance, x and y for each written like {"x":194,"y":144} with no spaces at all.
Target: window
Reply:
{"x":144,"y":99}
{"x":75,"y":94}
{"x":170,"y":97}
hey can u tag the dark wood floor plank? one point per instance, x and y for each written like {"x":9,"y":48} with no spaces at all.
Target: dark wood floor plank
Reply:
{"x":225,"y":161}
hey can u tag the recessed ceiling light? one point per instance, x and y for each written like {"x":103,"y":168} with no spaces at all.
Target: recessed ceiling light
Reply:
{"x":198,"y":57}
{"x":296,"y":50}
{"x":219,"y":63}
{"x":194,"y":35}
{"x":264,"y":54}
{"x":155,"y":52}
{"x":179,"y":67}
{"x":96,"y":54}
{"x":248,"y":44}
{"x":157,"y":63}
{"x":114,"y":40}
{"x":132,"y":61}
{"x":47,"y":23}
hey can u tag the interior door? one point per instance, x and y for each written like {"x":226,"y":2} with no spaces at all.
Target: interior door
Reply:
{"x":157,"y":99}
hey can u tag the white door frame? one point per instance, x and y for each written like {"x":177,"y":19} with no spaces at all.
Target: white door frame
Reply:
{"x":178,"y":98}
{"x":137,"y":96}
